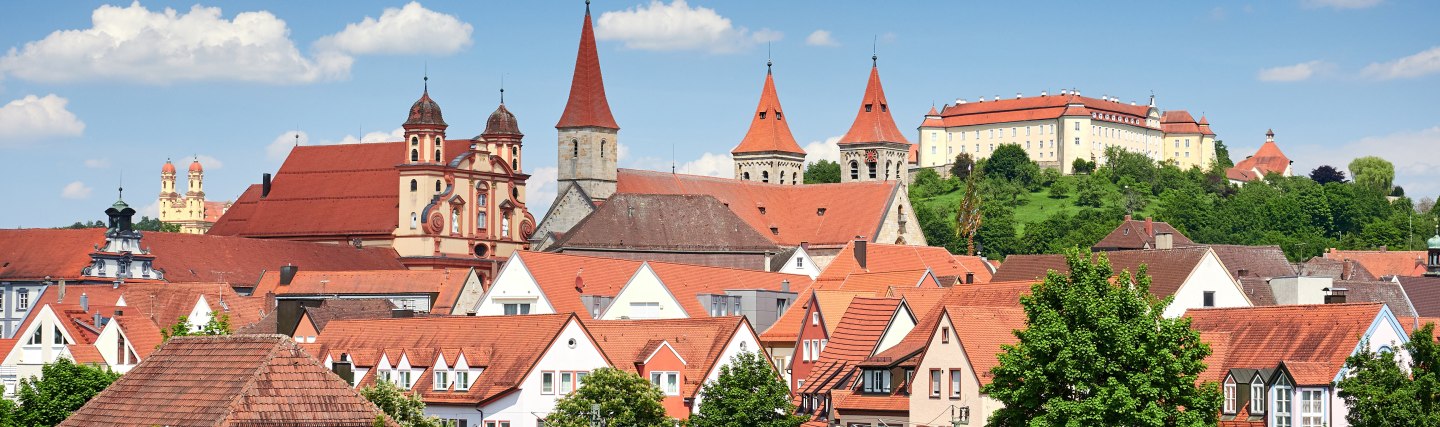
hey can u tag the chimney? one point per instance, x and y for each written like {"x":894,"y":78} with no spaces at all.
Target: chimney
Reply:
{"x":769,"y":257}
{"x":1017,"y":95}
{"x":785,"y":285}
{"x":85,"y":303}
{"x":860,"y":252}
{"x":1345,"y":270}
{"x":1336,"y":296}
{"x":1383,"y":248}
{"x":1044,"y":93}
{"x":1164,"y":241}
{"x":969,"y":278}
{"x":61,"y":292}
{"x":345,"y":369}
{"x":805,"y":245}
{"x":98,"y":319}
{"x":1127,"y":217}
{"x":264,"y":185}
{"x":1149,"y":226}
{"x":287,"y":274}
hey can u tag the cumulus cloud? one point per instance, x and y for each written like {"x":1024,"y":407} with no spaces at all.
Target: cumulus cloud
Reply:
{"x":1292,"y":73}
{"x":829,"y":149}
{"x":540,"y":189}
{"x":210,"y":163}
{"x":157,"y":47}
{"x":378,"y":136}
{"x":1424,"y":63}
{"x":1340,"y":4}
{"x":76,"y":190}
{"x":1419,"y":174}
{"x":280,"y":147}
{"x":97,"y":163}
{"x":709,"y":164}
{"x":678,"y":26}
{"x":821,"y":38}
{"x":410,"y":29}
{"x":32,"y":118}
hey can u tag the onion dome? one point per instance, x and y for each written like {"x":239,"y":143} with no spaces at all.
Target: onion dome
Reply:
{"x":195,"y":166}
{"x":425,"y":111}
{"x":502,"y":122}
{"x":168,"y":168}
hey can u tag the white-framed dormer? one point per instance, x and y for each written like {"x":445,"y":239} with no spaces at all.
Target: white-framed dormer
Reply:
{"x":116,"y":348}
{"x":384,"y":371}
{"x":1231,"y":393}
{"x":464,"y":375}
{"x":800,"y":262}
{"x":644,"y":296}
{"x":442,"y":378}
{"x":901,"y":323}
{"x":514,"y":285}
{"x":404,"y":374}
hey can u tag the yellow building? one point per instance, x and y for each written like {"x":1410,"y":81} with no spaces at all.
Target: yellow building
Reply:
{"x":1058,"y":129}
{"x":190,"y":211}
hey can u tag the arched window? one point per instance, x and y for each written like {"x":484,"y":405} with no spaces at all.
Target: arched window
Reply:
{"x":602,"y":148}
{"x":514,"y":164}
{"x":854,"y":169}
{"x":437,"y":156}
{"x":414,"y":155}
{"x":887,"y":170}
{"x":437,"y":186}
{"x":747,"y":176}
{"x":414,"y":141}
{"x":414,"y":221}
{"x":765,"y":176}
{"x":505,"y":226}
{"x":574,"y":148}
{"x":454,"y":220}
{"x":437,"y":142}
{"x":515,"y":193}
{"x":414,"y":186}
{"x":794,"y":178}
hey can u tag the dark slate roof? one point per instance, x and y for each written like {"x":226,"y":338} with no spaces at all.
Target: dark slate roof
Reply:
{"x":1131,"y":234}
{"x":1424,"y":293}
{"x":1383,"y":291}
{"x":666,"y":222}
{"x":228,"y":380}
{"x":1261,"y":261}
{"x":1335,"y":269}
{"x":345,"y":309}
{"x":1168,"y":268}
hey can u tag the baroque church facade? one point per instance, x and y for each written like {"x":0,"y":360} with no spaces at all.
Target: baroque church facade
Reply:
{"x":190,"y":211}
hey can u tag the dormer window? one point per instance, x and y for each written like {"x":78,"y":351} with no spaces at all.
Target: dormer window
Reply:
{"x":462,"y":380}
{"x":1257,"y":396}
{"x":875,"y":381}
{"x":442,"y":379}
{"x":779,"y":115}
{"x":868,"y":107}
{"x":884,"y":108}
{"x":1229,"y":395}
{"x":762,"y":115}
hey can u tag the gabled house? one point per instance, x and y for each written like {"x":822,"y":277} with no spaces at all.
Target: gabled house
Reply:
{"x":794,"y":342}
{"x":441,"y":291}
{"x":860,"y":256}
{"x":869,"y":326}
{"x":679,"y":356}
{"x":1193,"y":275}
{"x":1133,"y":234}
{"x":795,"y":260}
{"x":1309,"y":342}
{"x":547,"y":283}
{"x":959,"y":353}
{"x":1382,"y":262}
{"x":469,"y":370}
{"x":236,"y":380}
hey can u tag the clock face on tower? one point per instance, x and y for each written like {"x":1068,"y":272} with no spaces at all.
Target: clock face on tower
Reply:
{"x":871,"y":156}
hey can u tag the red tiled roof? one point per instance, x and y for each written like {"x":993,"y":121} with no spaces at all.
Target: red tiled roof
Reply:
{"x":881,"y":283}
{"x":587,"y":105}
{"x":1257,"y":261}
{"x":698,"y":341}
{"x":1179,"y":121}
{"x":1042,"y":108}
{"x":687,"y":281}
{"x":1168,"y":268}
{"x":1311,"y":373}
{"x":34,"y":254}
{"x":506,"y":346}
{"x":665,"y":222}
{"x":876,"y":124}
{"x":558,"y":274}
{"x":849,"y":209}
{"x":880,"y":257}
{"x":213,"y":210}
{"x":444,"y":285}
{"x":228,"y":380}
{"x":323,"y":190}
{"x":845,"y":401}
{"x":1003,"y":295}
{"x":769,"y":132}
{"x":982,"y":330}
{"x":1324,"y":333}
{"x":1266,"y":160}
{"x":859,"y":330}
{"x":932,"y":119}
{"x":1132,"y":234}
{"x":787,"y":327}
{"x":1384,"y":263}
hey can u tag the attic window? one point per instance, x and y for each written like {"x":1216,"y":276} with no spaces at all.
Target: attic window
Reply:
{"x":762,"y":115}
{"x":884,"y":108}
{"x":820,"y":212}
{"x":779,"y":116}
{"x":867,"y":107}
{"x":774,"y":230}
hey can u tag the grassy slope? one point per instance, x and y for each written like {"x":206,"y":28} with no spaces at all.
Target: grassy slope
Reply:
{"x":1037,"y":207}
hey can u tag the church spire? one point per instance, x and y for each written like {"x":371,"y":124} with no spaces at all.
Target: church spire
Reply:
{"x":587,"y":106}
{"x":768,"y":128}
{"x":873,"y":122}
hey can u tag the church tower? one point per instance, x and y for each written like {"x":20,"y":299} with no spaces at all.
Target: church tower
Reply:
{"x":425,"y":130}
{"x":588,"y":135}
{"x":874,"y":149}
{"x":769,"y":153}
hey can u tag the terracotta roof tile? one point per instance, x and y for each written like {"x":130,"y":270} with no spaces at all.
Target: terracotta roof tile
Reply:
{"x":1258,"y":290}
{"x":1040,"y":108}
{"x":852,"y":341}
{"x":873,"y":122}
{"x":666,"y":222}
{"x":1132,"y":234}
{"x":847,"y":402}
{"x":699,"y":341}
{"x":587,"y":105}
{"x":880,"y":283}
{"x":1168,"y":268}
{"x":347,"y":309}
{"x":881,"y":257}
{"x":444,"y":285}
{"x":787,"y":328}
{"x":982,"y":330}
{"x":1179,"y":121}
{"x":1381,"y":291}
{"x":687,"y":281}
{"x":1311,"y":373}
{"x":797,"y":213}
{"x":1423,"y":293}
{"x":559,"y":274}
{"x":230,"y":380}
{"x":1259,"y":261}
{"x":769,"y":132}
{"x":1002,"y":295}
{"x":344,"y":189}
{"x":1323,"y":333}
{"x":1267,"y":159}
{"x":1340,"y":269}
{"x":1384,"y":263}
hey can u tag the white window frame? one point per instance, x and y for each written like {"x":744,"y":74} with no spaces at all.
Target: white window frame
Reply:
{"x":462,"y":379}
{"x":1284,"y":398}
{"x":1230,"y":396}
{"x":667,"y":381}
{"x":547,"y":382}
{"x":567,"y":382}
{"x":1257,"y":397}
{"x":936,"y":377}
{"x":442,"y":379}
{"x":1312,"y":408}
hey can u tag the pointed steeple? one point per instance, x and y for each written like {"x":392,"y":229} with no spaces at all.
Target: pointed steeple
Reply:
{"x":587,"y":106}
{"x":768,"y":128}
{"x":873,"y":122}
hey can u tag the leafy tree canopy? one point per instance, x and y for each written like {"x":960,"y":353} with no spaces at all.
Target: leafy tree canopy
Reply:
{"x":1380,"y":394}
{"x":962,"y":167}
{"x":822,"y":172}
{"x":1373,"y":173}
{"x":624,"y":399}
{"x":747,"y":393}
{"x":1012,"y":163}
{"x":1326,"y":174}
{"x":61,"y":390}
{"x":405,"y":408}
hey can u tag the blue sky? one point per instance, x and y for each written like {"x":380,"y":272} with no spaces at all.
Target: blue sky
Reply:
{"x":89,"y":92}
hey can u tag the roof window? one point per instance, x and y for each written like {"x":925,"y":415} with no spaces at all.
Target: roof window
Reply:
{"x":868,"y":107}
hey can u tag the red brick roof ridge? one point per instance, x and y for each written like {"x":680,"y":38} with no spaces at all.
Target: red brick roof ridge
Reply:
{"x":587,"y":105}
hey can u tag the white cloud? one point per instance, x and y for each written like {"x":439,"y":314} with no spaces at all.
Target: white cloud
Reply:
{"x":395,"y":135}
{"x":821,"y":38}
{"x":1292,"y":73}
{"x":1420,"y":64}
{"x":709,"y":164}
{"x":151,"y":210}
{"x":829,"y":149}
{"x":76,"y":190}
{"x":280,"y":147}
{"x":412,"y":29}
{"x":1418,"y":174}
{"x":210,"y":163}
{"x":159,"y":47}
{"x":677,"y":26}
{"x":1339,"y":4}
{"x":622,"y":152}
{"x":32,"y":118}
{"x":540,"y":190}
{"x":101,"y":163}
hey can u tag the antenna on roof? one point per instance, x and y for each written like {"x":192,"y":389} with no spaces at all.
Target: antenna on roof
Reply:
{"x":768,"y":61}
{"x":502,"y":88}
{"x":874,"y":49}
{"x":121,"y":196}
{"x":672,"y":158}
{"x":427,"y":77}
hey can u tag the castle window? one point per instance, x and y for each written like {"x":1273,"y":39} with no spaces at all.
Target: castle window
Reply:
{"x":765,"y":176}
{"x":602,"y":148}
{"x":747,"y":176}
{"x":762,"y":115}
{"x":414,"y":155}
{"x":867,"y":107}
{"x":437,"y":156}
{"x":414,"y":186}
{"x":574,"y":148}
{"x":854,"y":169}
{"x":437,"y":142}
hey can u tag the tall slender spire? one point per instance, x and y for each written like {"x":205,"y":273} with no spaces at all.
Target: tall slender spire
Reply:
{"x":587,"y":106}
{"x":873,"y":123}
{"x":769,"y":131}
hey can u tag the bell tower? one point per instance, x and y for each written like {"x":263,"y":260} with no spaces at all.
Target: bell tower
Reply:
{"x":874,"y":149}
{"x":1432,"y":254}
{"x":769,"y":153}
{"x":588,"y":135}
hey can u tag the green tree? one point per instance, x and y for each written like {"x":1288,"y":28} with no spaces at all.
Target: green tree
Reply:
{"x":1222,"y":155}
{"x":1326,"y":174}
{"x":1010,"y":162}
{"x":153,"y":224}
{"x":1379,"y":393}
{"x":218,"y":325}
{"x":1060,"y":189}
{"x":405,"y":408}
{"x":62,"y":388}
{"x":1124,"y":163}
{"x":962,"y":167}
{"x":1101,"y":353}
{"x":625,"y":399}
{"x":747,"y":393}
{"x":996,"y":236}
{"x":1373,"y":173}
{"x":822,"y":172}
{"x":927,"y":183}
{"x":1094,"y":191}
{"x":1080,"y":166}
